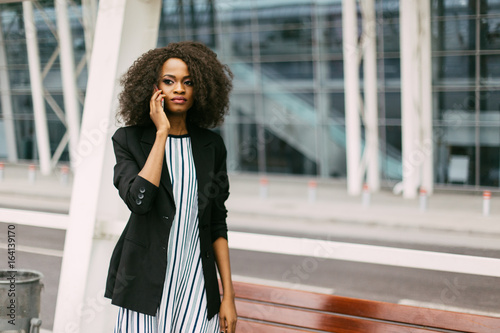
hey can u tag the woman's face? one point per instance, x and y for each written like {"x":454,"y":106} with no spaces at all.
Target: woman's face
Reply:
{"x":176,"y":83}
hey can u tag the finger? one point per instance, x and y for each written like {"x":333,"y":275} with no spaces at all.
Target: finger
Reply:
{"x":221,"y":323}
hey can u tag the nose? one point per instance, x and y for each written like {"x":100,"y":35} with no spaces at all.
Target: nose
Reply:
{"x":179,"y":88}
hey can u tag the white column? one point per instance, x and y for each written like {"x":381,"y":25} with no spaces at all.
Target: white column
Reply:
{"x":371,"y":91}
{"x":89,"y":11}
{"x":7,"y":113}
{"x":70,"y":96}
{"x":124,"y":30}
{"x":351,"y":91}
{"x":42,"y":132}
{"x":426,"y":98}
{"x":410,"y":97}
{"x":416,"y":97}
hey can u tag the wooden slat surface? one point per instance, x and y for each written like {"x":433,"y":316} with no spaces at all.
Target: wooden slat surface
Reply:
{"x":318,"y":320}
{"x":244,"y":326}
{"x":370,"y":309}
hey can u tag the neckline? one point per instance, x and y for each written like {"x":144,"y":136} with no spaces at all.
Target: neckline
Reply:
{"x":179,"y":135}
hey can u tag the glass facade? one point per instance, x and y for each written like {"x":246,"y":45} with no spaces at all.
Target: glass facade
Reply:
{"x":287,"y":108}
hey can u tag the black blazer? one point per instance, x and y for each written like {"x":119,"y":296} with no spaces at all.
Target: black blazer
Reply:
{"x":138,"y":265}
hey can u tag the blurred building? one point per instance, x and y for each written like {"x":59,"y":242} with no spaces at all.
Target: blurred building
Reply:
{"x":288,"y":105}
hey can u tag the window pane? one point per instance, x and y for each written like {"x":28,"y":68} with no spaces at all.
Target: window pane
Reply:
{"x":490,"y":33}
{"x":454,"y":102}
{"x":285,"y":42}
{"x":490,"y":6}
{"x":454,"y":70}
{"x":490,"y":69}
{"x":391,"y":37}
{"x":391,"y":160}
{"x":454,"y":34}
{"x":291,"y":153}
{"x":453,"y":7}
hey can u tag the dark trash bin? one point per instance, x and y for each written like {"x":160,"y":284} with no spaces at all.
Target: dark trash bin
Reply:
{"x":20,"y":301}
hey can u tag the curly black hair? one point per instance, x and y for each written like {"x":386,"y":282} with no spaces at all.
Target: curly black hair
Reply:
{"x":212,"y":84}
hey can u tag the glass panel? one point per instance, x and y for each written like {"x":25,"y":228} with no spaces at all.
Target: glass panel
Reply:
{"x":391,"y":37}
{"x":454,"y":102}
{"x":22,"y":106}
{"x":490,"y":6}
{"x":242,"y":108}
{"x":490,"y":166}
{"x":453,"y":7}
{"x":393,"y":105}
{"x":336,"y":107}
{"x":454,"y":35}
{"x":490,"y":33}
{"x":285,"y":108}
{"x":391,"y":160}
{"x":248,"y":150}
{"x":290,"y":154}
{"x":454,"y":70}
{"x":331,"y":40}
{"x":25,"y":138}
{"x":285,"y":42}
{"x":17,"y":53}
{"x":392,"y":72}
{"x":490,"y":69}
{"x":235,"y":15}
{"x":244,"y":75}
{"x":302,"y":71}
{"x":19,"y":78}
{"x":285,"y":16}
{"x":239,"y":44}
{"x":334,"y":144}
{"x":335,"y":75}
{"x":490,"y":106}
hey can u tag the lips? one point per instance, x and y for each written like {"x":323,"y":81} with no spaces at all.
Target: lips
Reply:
{"x":178,"y":100}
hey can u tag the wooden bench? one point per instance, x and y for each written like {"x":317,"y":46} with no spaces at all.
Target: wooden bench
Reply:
{"x":278,"y":310}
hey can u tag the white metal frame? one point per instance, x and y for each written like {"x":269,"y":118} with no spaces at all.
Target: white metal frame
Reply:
{"x":7,"y":113}
{"x":416,"y":94}
{"x":37,"y":91}
{"x":359,"y":164}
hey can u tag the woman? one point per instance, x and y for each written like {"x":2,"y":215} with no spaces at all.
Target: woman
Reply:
{"x":171,"y":172}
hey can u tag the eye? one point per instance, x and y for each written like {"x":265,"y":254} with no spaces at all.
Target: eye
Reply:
{"x":168,"y":82}
{"x":189,"y":83}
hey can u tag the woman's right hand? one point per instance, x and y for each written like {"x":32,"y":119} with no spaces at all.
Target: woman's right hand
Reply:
{"x":156,"y":112}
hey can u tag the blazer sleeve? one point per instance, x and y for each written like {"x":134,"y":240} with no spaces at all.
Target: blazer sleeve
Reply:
{"x":137,"y":193}
{"x":221,"y":183}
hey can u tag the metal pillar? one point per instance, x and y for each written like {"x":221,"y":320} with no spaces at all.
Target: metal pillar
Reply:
{"x":7,"y":113}
{"x":42,"y":132}
{"x":416,"y":108}
{"x":352,"y":99}
{"x":426,"y":97}
{"x":70,"y":96}
{"x":370,"y":89}
{"x":89,"y":11}
{"x":124,"y":30}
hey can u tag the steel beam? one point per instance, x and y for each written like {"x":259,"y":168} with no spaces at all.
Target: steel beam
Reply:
{"x":370,"y":88}
{"x":72,"y":110}
{"x":41,"y":126}
{"x":7,"y":113}
{"x":416,"y":106}
{"x":352,"y":97}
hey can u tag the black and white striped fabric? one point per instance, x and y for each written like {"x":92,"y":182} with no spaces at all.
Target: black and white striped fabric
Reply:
{"x":183,"y":306}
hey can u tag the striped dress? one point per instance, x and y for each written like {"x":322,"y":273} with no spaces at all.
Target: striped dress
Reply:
{"x":183,"y":307}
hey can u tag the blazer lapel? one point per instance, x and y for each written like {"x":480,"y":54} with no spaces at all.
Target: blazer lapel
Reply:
{"x":147,"y":141}
{"x":203,"y":155}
